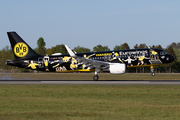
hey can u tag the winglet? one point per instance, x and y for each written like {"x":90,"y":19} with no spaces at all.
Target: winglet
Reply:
{"x":71,"y":53}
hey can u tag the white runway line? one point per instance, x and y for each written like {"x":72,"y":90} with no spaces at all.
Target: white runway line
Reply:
{"x":95,"y":82}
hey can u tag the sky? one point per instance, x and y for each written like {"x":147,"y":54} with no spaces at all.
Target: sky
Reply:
{"x":88,"y":23}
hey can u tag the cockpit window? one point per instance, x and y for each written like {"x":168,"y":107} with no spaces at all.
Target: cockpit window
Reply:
{"x":163,"y":53}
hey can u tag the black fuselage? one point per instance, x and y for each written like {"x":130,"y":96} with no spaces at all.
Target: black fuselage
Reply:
{"x":65,"y":63}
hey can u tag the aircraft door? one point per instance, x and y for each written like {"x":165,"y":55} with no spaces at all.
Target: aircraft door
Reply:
{"x":41,"y":62}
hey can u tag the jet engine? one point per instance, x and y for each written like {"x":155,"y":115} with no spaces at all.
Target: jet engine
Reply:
{"x":117,"y":68}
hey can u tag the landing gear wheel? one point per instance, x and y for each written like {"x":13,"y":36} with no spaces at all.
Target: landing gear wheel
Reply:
{"x":153,"y":73}
{"x":95,"y":78}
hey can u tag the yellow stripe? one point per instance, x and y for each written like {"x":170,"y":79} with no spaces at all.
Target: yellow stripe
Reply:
{"x":143,"y":65}
{"x":80,"y":70}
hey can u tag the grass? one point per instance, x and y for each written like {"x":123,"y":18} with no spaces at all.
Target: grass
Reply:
{"x":86,"y":76}
{"x":89,"y":102}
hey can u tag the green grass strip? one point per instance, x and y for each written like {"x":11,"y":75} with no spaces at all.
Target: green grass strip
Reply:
{"x":89,"y":102}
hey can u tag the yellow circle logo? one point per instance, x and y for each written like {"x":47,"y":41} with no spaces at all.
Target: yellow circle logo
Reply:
{"x":21,"y":49}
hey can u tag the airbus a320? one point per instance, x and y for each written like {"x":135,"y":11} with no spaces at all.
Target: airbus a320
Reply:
{"x":115,"y":61}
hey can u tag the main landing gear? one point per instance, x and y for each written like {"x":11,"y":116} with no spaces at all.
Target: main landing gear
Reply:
{"x":152,"y":71}
{"x":96,"y":77}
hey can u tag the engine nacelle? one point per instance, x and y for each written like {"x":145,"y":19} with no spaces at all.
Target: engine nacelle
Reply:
{"x":117,"y":68}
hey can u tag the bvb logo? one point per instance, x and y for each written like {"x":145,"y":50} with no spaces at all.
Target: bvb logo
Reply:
{"x":21,"y":49}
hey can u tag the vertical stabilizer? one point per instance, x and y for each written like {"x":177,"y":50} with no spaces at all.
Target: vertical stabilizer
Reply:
{"x":20,"y":48}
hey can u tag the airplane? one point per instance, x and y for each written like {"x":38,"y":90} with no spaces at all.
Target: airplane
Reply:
{"x":115,"y":61}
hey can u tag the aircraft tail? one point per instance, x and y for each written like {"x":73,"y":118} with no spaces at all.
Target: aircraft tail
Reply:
{"x":20,"y":48}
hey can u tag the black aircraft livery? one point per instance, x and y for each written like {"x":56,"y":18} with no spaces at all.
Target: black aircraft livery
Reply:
{"x":114,"y":62}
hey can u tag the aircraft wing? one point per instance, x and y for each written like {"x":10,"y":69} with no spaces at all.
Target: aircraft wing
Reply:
{"x":88,"y":62}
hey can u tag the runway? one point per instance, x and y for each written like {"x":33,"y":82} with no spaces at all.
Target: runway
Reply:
{"x":88,"y":82}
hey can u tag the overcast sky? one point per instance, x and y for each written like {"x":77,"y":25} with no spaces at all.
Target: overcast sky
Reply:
{"x":88,"y":23}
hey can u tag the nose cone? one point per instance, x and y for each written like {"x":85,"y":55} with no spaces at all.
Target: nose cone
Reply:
{"x":170,"y":58}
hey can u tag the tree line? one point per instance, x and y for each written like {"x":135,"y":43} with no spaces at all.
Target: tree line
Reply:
{"x":173,"y":49}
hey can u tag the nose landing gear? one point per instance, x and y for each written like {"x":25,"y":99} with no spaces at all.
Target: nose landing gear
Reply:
{"x":152,"y":71}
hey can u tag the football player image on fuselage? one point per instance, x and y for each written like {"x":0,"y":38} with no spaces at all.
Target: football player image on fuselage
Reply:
{"x":116,"y":56}
{"x":33,"y":65}
{"x":129,"y":60}
{"x":46,"y":62}
{"x":154,"y":54}
{"x":73,"y":64}
{"x":141,"y":59}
